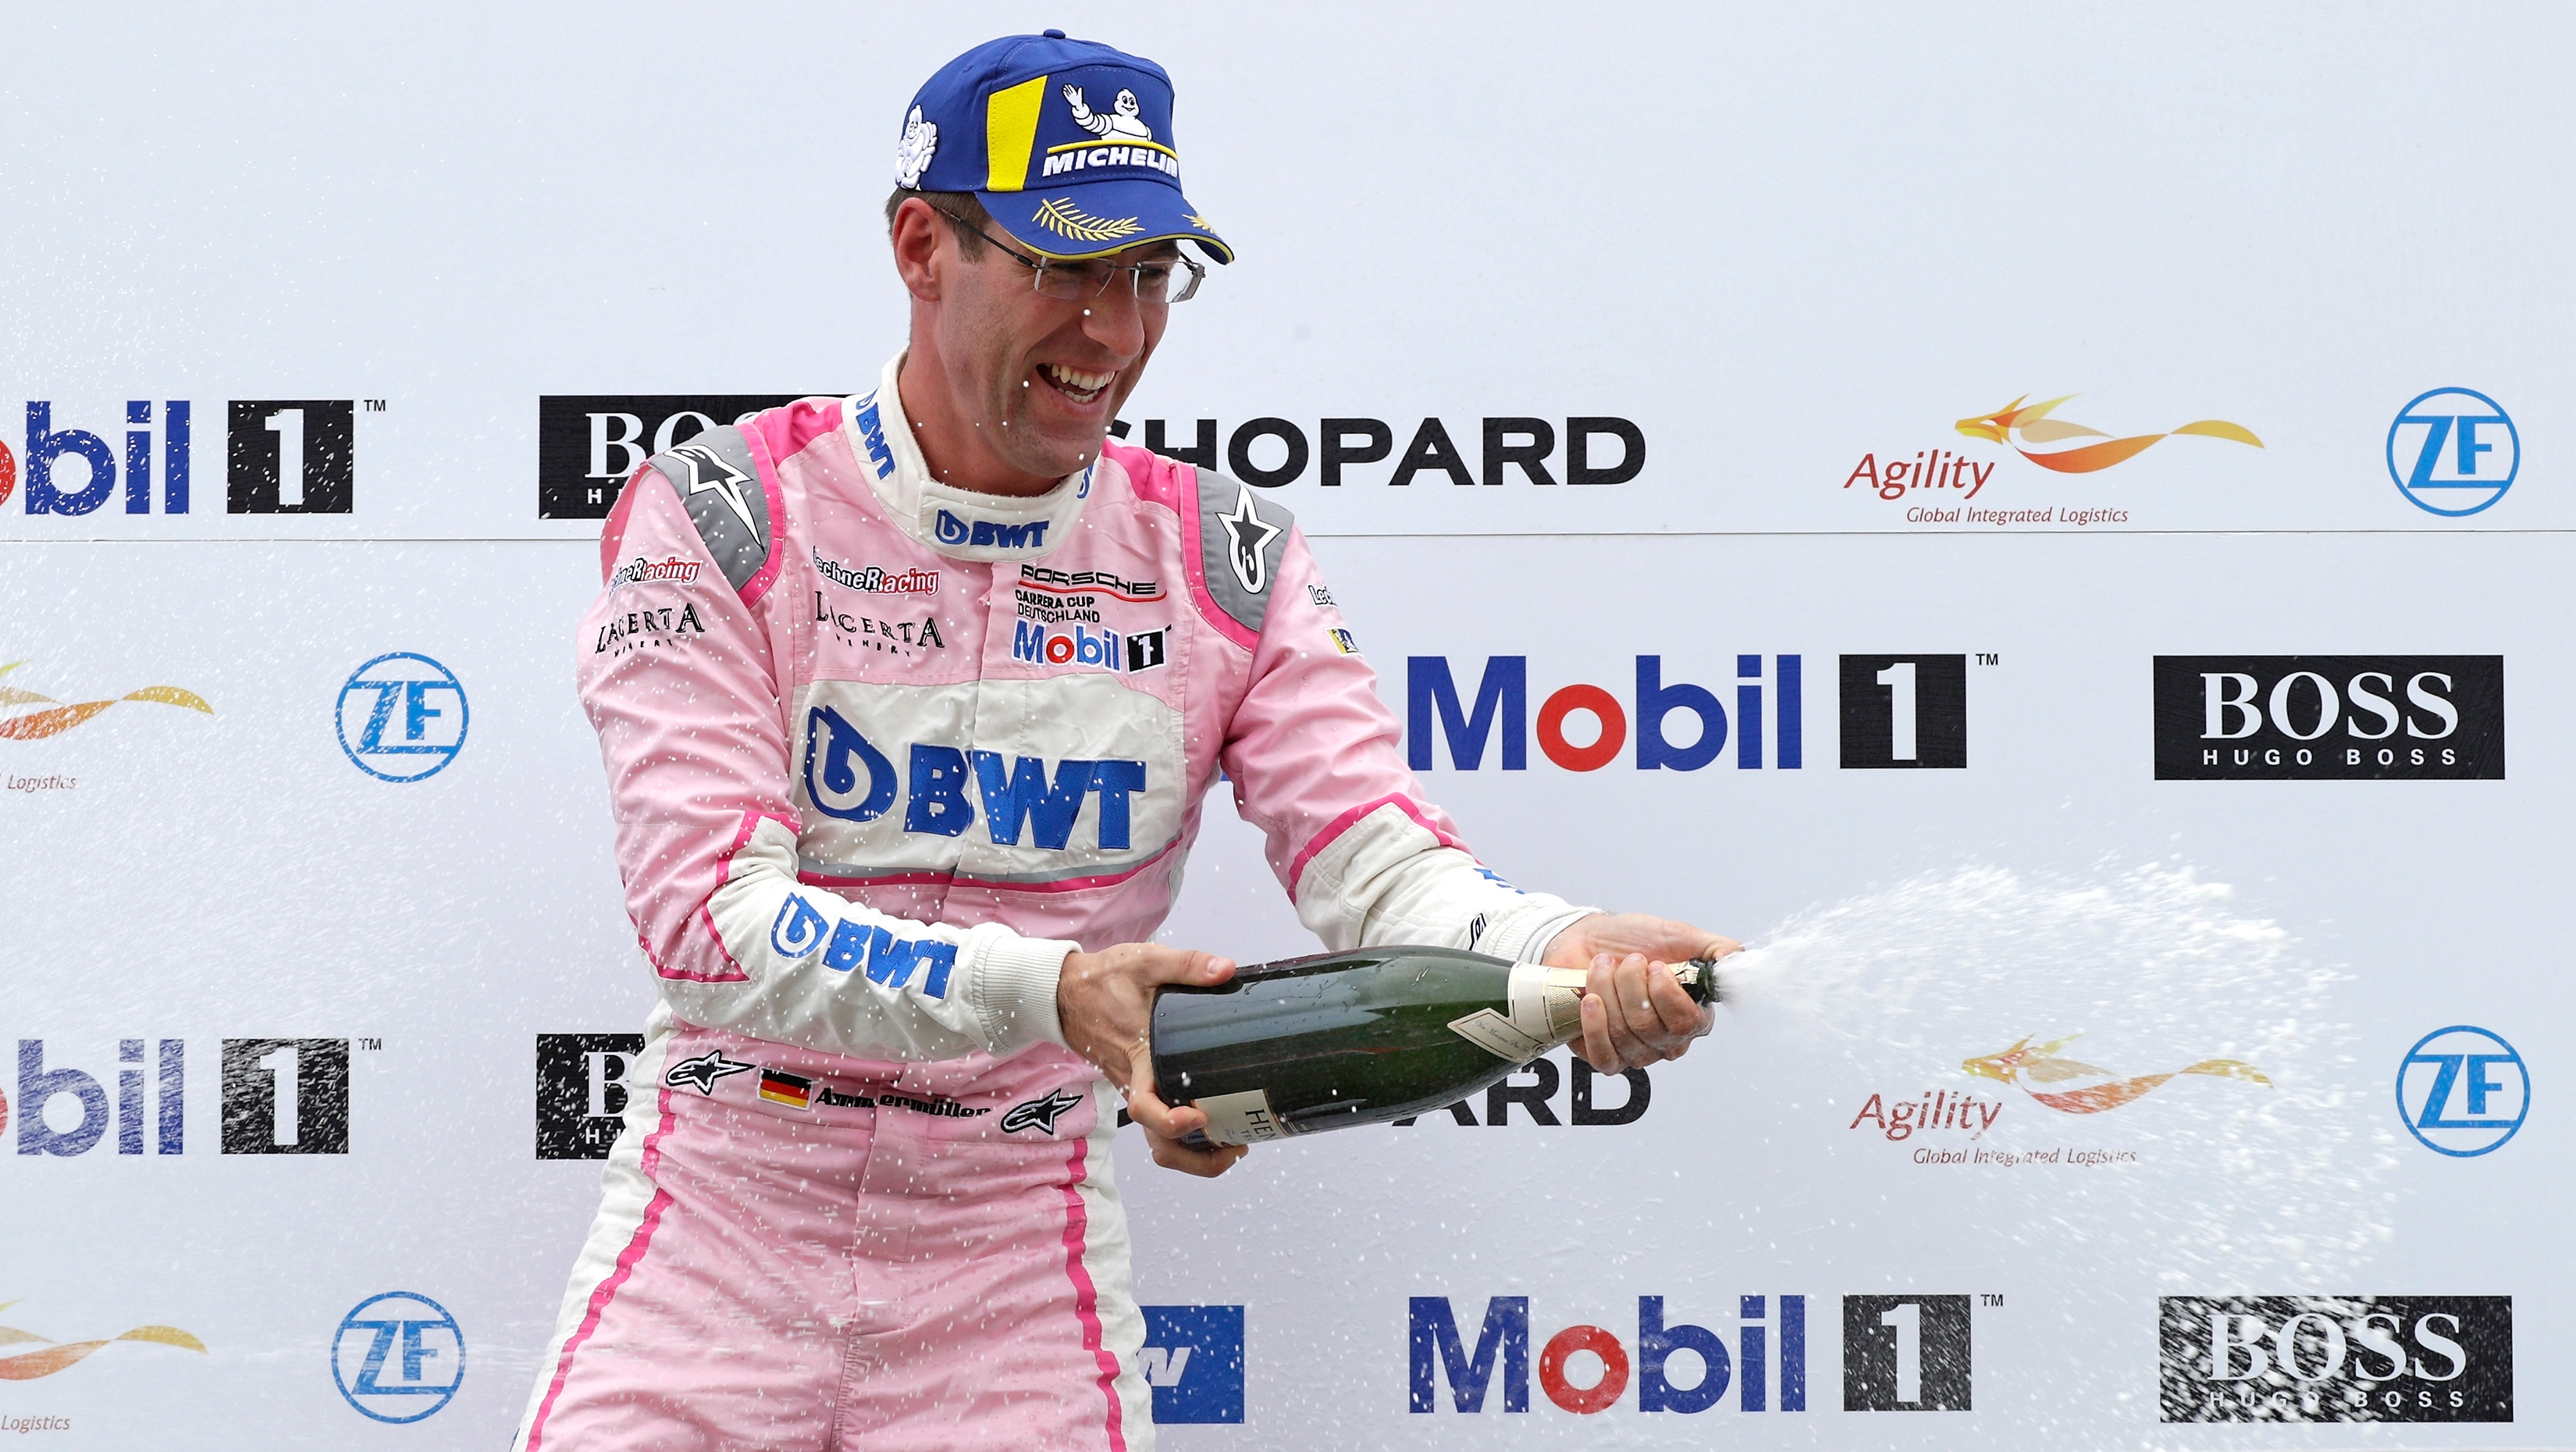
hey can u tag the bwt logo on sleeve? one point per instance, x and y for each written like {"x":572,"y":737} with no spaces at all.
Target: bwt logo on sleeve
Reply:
{"x":2336,"y":1358}
{"x":582,"y":1091}
{"x":281,"y":456}
{"x":2329,"y":717}
{"x":589,"y":445}
{"x":1193,"y":1359}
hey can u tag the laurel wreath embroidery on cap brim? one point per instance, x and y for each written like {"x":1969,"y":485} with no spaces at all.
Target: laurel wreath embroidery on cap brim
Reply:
{"x":1060,"y":215}
{"x":1195,"y":220}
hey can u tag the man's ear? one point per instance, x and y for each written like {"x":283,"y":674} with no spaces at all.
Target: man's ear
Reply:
{"x":917,"y":234}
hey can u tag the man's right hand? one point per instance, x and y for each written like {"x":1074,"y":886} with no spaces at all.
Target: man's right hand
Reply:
{"x":1105,"y":1002}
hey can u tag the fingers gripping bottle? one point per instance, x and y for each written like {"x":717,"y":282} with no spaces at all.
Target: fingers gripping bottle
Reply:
{"x":1362,"y":1037}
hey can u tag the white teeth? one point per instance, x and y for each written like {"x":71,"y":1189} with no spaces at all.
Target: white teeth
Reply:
{"x":1075,"y":380}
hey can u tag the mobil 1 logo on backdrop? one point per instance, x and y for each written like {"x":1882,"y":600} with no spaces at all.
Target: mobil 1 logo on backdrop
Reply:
{"x":2312,"y":717}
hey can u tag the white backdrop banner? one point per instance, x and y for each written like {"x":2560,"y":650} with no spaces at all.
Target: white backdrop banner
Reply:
{"x":2148,"y":868}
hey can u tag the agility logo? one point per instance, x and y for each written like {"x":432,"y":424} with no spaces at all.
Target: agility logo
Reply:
{"x":2462,"y":1091}
{"x":53,"y":718}
{"x":2014,"y":425}
{"x":402,"y":717}
{"x":398,"y":1357}
{"x":1040,"y":1114}
{"x":2453,"y":451}
{"x":1193,"y":1359}
{"x":53,"y":1356}
{"x":2026,"y":1066}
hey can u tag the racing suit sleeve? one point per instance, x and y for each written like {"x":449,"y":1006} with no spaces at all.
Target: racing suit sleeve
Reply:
{"x":679,"y":665}
{"x":1313,"y":752}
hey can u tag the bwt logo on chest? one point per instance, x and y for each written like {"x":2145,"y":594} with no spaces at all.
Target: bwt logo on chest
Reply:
{"x":847,"y":777}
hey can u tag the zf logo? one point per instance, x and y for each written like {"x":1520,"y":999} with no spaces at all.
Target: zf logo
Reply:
{"x":398,"y":1357}
{"x":2336,"y":1358}
{"x":1905,"y":711}
{"x":2463,"y":1091}
{"x":2452,"y":451}
{"x":1193,"y":1359}
{"x":281,"y":456}
{"x":589,"y":445}
{"x":582,"y":1091}
{"x":2329,"y":717}
{"x":1905,"y":1354}
{"x":402,"y":717}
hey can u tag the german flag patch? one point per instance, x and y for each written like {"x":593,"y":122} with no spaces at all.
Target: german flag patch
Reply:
{"x":781,"y":1087}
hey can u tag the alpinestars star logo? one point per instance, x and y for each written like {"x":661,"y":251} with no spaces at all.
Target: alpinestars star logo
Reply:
{"x":702,"y":1072}
{"x":1039,"y":1113}
{"x":709,"y":472}
{"x":1251,"y":535}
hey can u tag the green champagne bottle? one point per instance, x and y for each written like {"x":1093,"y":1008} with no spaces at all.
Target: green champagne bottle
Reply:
{"x":1342,"y":1039}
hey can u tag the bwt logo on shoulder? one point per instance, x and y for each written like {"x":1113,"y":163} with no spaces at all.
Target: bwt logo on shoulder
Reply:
{"x":1193,"y":1359}
{"x":2329,"y":717}
{"x":281,"y":456}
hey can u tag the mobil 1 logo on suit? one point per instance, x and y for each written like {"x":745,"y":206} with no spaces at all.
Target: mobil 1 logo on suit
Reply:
{"x":2335,"y":1358}
{"x":2329,"y":717}
{"x":590,"y":444}
{"x":582,"y":1088}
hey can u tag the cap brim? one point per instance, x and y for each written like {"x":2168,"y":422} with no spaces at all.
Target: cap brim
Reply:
{"x":1096,"y":218}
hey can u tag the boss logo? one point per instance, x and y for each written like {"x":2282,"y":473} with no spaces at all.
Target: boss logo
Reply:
{"x":2336,"y":1358}
{"x":2306,"y":717}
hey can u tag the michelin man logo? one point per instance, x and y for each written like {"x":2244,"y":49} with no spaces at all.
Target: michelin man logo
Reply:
{"x":1121,"y":120}
{"x":912,"y":156}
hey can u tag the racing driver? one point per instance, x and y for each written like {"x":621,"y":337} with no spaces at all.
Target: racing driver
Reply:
{"x":909,"y":703}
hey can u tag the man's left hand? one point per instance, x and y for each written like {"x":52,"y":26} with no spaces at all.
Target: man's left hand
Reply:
{"x":1634,"y":1011}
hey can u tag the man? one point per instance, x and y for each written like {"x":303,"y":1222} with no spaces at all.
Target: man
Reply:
{"x":908,"y":703}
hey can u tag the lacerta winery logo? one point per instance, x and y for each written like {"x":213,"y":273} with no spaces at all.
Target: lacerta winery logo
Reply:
{"x":1938,"y":484}
{"x":52,"y":1356}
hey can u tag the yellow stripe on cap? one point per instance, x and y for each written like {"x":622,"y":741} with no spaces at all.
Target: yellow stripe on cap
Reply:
{"x":1011,"y":133}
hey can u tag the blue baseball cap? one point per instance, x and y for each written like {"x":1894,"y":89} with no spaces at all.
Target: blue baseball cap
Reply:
{"x":1068,"y":143}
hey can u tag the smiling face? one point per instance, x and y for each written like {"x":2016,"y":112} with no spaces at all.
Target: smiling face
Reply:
{"x":1011,"y":389}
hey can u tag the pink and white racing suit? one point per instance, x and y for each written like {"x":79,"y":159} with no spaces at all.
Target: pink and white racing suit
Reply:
{"x":881,"y":753}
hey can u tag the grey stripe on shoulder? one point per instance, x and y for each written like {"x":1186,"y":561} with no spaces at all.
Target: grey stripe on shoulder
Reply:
{"x":720,"y":486}
{"x":1241,"y":541}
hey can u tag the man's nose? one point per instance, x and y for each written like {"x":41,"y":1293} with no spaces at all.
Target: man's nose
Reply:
{"x":1115,"y":320}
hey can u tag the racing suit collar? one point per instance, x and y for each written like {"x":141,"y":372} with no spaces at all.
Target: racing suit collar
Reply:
{"x":962,"y":524}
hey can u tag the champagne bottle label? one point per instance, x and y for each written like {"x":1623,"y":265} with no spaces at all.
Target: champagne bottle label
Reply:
{"x":1546,"y":1010}
{"x":1243,"y":1118}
